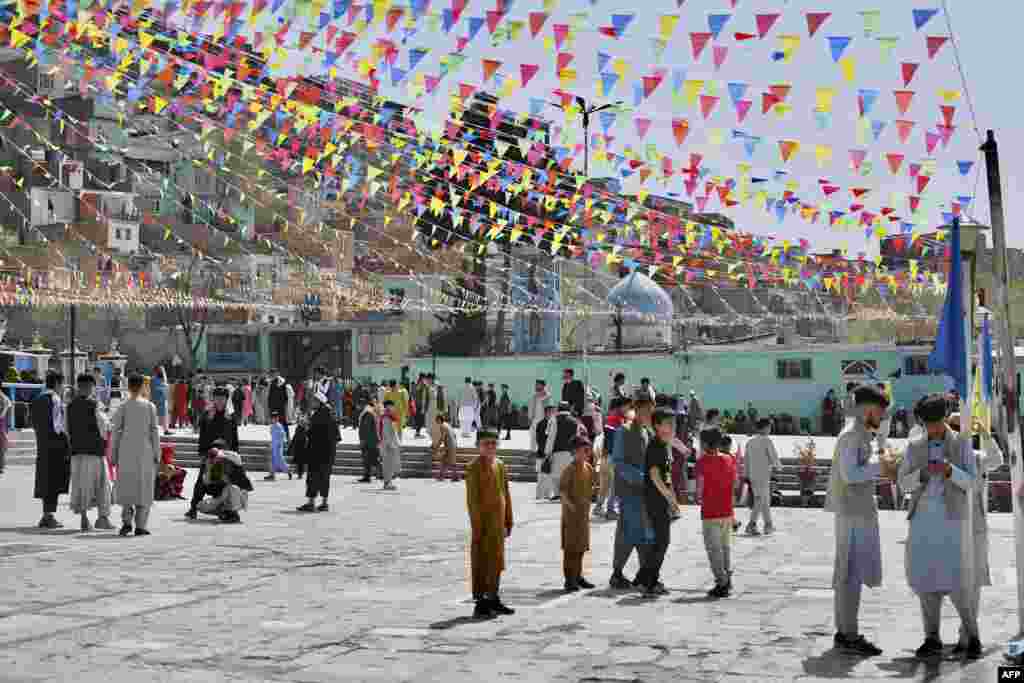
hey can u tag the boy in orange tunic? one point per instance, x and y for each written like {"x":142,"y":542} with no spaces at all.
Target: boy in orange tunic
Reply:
{"x":576,"y":486}
{"x":490,"y":517}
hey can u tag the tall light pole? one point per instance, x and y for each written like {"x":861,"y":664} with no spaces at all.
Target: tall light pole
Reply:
{"x":585,"y":111}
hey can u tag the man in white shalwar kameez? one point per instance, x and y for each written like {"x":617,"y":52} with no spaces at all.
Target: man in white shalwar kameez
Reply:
{"x":760,"y":460}
{"x":940,"y":473}
{"x":469,"y":408}
{"x":851,"y":497}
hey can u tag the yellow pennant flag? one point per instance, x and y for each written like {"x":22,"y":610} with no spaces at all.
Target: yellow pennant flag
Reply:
{"x":667,"y":25}
{"x":823,"y":98}
{"x":849,"y":67}
{"x":823,"y":155}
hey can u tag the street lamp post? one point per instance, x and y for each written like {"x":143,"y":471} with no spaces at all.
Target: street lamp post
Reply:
{"x":585,"y":112}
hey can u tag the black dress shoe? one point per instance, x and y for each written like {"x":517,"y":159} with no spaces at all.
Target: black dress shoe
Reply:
{"x":322,"y":507}
{"x":974,"y":648}
{"x":584,"y":584}
{"x":191,"y":514}
{"x":306,"y":507}
{"x":859,"y":645}
{"x":498,"y":607}
{"x":142,"y":532}
{"x":125,"y":529}
{"x":571,"y":586}
{"x":619,"y":582}
{"x":929,"y":648}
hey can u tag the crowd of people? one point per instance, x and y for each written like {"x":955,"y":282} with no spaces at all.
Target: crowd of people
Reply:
{"x":629,"y":463}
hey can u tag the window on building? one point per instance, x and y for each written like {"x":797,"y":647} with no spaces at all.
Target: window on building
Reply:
{"x":128,"y":234}
{"x":117,"y":233}
{"x":798,"y":368}
{"x":46,"y":83}
{"x":916,"y":365}
{"x":232,"y":343}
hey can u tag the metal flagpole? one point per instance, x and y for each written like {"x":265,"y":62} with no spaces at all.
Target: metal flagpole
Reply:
{"x":1009,"y":426}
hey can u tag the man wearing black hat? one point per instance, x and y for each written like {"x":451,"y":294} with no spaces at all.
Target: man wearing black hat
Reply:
{"x":214,"y":425}
{"x":53,"y":472}
{"x":851,"y":497}
{"x":940,"y":472}
{"x":573,"y":391}
{"x":559,"y":443}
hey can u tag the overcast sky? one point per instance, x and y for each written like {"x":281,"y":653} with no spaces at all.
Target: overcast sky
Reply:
{"x":982,"y":28}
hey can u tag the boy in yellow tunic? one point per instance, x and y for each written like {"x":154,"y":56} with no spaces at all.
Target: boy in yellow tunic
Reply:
{"x":576,"y":486}
{"x":490,"y":518}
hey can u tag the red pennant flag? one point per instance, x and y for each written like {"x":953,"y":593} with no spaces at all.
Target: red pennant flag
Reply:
{"x":935,"y":44}
{"x":344,"y":40}
{"x":742,"y":107}
{"x":392,"y":18}
{"x":740,"y":37}
{"x":948,"y":111}
{"x":830,"y":190}
{"x":815,"y":20}
{"x":768,"y":100}
{"x":493,"y":19}
{"x":699,"y":41}
{"x":780,"y":91}
{"x":908,"y":69}
{"x":608,"y":31}
{"x":461,"y":42}
{"x":650,"y":84}
{"x":490,"y":66}
{"x":526,"y":72}
{"x":563,"y":60}
{"x":695,"y":160}
{"x":691,"y":187}
{"x":680,"y":129}
{"x":903,"y":100}
{"x":858,"y":192}
{"x":708,"y":104}
{"x":914,"y":203}
{"x":922,"y":182}
{"x":466,"y":90}
{"x":895,"y":162}
{"x":537,"y":20}
{"x":765,"y":23}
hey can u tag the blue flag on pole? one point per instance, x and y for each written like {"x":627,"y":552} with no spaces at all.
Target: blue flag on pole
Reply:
{"x":950,"y":353}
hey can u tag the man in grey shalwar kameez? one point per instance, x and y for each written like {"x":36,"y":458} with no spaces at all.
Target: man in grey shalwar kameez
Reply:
{"x":851,"y":497}
{"x":390,"y":445}
{"x":940,"y":472}
{"x":136,"y":453}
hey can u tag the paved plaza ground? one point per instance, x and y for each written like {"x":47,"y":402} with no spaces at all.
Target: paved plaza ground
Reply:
{"x":375,"y":590}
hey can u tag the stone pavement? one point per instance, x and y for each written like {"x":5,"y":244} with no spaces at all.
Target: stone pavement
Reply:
{"x":375,"y":590}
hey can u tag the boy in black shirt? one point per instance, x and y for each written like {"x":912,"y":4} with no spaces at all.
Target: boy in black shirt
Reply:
{"x":661,"y":501}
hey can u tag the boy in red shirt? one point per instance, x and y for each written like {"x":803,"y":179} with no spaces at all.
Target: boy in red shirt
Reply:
{"x":717,"y":472}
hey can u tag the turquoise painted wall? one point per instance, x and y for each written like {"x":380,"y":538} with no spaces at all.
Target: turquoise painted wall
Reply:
{"x":724,"y":380}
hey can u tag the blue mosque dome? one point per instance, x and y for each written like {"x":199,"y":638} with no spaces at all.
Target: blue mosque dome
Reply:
{"x":637,"y":293}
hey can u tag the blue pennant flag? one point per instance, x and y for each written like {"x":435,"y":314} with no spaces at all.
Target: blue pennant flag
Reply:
{"x":867,"y":99}
{"x":607,"y":119}
{"x":964,"y":166}
{"x":475,"y":24}
{"x":876,"y":129}
{"x":737,"y":91}
{"x":950,"y":353}
{"x":716,"y":22}
{"x":621,"y":22}
{"x":602,"y":61}
{"x":838,"y":44}
{"x":608,"y":81}
{"x":923,"y":16}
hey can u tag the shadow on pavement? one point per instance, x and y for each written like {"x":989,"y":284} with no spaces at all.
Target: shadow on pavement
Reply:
{"x":457,"y":621}
{"x":607,"y":593}
{"x":36,"y":531}
{"x":911,"y":667}
{"x":93,"y":535}
{"x":832,"y":664}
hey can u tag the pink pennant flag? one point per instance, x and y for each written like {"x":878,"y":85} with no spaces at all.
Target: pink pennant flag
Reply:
{"x":945,"y":133}
{"x":493,"y":19}
{"x":781,"y":91}
{"x":699,"y":41}
{"x":651,"y":83}
{"x":691,"y":186}
{"x":720,"y":52}
{"x":768,"y":100}
{"x":903,"y":100}
{"x":914,"y":170}
{"x":561,"y":32}
{"x":527,"y":72}
{"x":857,"y":157}
{"x":815,"y":20}
{"x":914,"y":203}
{"x":931,"y":140}
{"x":642,"y":126}
{"x":935,"y":44}
{"x":563,"y":60}
{"x":702,"y":204}
{"x":765,"y":23}
{"x":904,"y":129}
{"x":895,"y":162}
{"x":908,"y":69}
{"x":695,"y":160}
{"x":742,"y":107}
{"x":708,"y":104}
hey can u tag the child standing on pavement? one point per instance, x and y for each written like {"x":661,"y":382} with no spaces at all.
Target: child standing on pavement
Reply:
{"x":717,"y":472}
{"x":662,"y":506}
